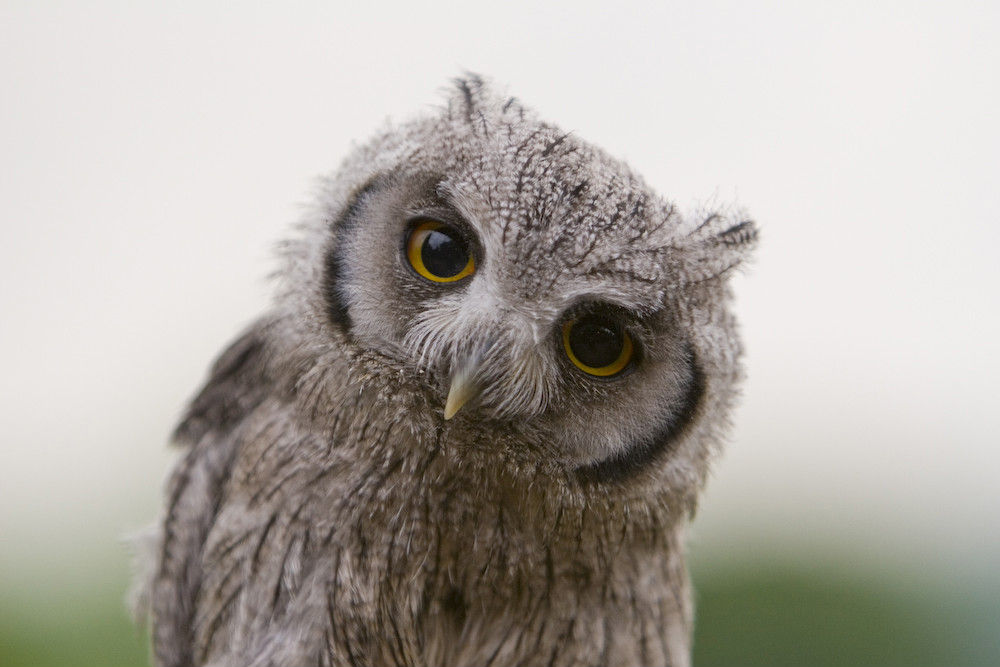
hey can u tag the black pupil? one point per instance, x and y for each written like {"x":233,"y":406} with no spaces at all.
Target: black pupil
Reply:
{"x":443,"y":253}
{"x":596,"y":342}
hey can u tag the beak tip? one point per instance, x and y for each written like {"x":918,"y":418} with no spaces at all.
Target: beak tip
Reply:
{"x":462,"y":390}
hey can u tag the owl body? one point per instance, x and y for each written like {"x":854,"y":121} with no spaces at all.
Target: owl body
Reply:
{"x":414,"y":461}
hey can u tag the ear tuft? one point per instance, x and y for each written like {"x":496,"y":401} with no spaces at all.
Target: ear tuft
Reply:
{"x":470,"y":94}
{"x":717,"y":246}
{"x":741,"y":234}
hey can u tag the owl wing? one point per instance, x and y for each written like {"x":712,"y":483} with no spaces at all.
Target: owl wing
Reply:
{"x":236,"y":385}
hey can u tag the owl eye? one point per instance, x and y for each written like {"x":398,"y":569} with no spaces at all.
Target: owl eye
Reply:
{"x":438,"y":252}
{"x":597,"y":345}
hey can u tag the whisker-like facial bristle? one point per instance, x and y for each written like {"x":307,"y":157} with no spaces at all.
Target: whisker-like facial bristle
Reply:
{"x":509,"y":364}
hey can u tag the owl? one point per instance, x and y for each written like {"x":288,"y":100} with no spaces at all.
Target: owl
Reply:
{"x":473,"y":425}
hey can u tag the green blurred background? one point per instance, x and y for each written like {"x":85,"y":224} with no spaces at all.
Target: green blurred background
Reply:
{"x":152,"y":154}
{"x":775,"y":611}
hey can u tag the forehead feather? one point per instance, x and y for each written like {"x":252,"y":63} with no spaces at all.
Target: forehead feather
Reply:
{"x":555,"y":205}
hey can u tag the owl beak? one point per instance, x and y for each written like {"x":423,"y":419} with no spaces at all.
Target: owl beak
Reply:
{"x":463,"y":389}
{"x":465,"y":385}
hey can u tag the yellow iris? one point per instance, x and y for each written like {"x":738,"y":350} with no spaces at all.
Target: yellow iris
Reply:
{"x":437,"y":252}
{"x":615,"y":347}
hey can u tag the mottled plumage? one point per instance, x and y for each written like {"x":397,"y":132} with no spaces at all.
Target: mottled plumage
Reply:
{"x":326,"y":512}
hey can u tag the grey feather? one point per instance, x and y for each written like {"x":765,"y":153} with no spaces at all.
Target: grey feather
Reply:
{"x":325,"y":511}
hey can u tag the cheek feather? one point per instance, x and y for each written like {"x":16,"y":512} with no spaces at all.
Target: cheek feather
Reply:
{"x":644,"y":450}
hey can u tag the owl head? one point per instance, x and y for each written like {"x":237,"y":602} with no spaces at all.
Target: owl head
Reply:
{"x":493,"y":280}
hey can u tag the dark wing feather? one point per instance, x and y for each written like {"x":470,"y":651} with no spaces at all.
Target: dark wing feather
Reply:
{"x":237,"y":383}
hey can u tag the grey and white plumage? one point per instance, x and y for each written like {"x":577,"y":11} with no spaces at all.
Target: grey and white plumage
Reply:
{"x":326,"y":513}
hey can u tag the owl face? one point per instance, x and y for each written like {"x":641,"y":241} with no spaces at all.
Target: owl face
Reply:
{"x":472,"y":424}
{"x":524,"y":281}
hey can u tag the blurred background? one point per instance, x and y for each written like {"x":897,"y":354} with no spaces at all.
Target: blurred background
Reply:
{"x":151,"y":157}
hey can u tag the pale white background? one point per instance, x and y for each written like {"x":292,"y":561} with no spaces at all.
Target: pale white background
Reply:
{"x":150,"y":157}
